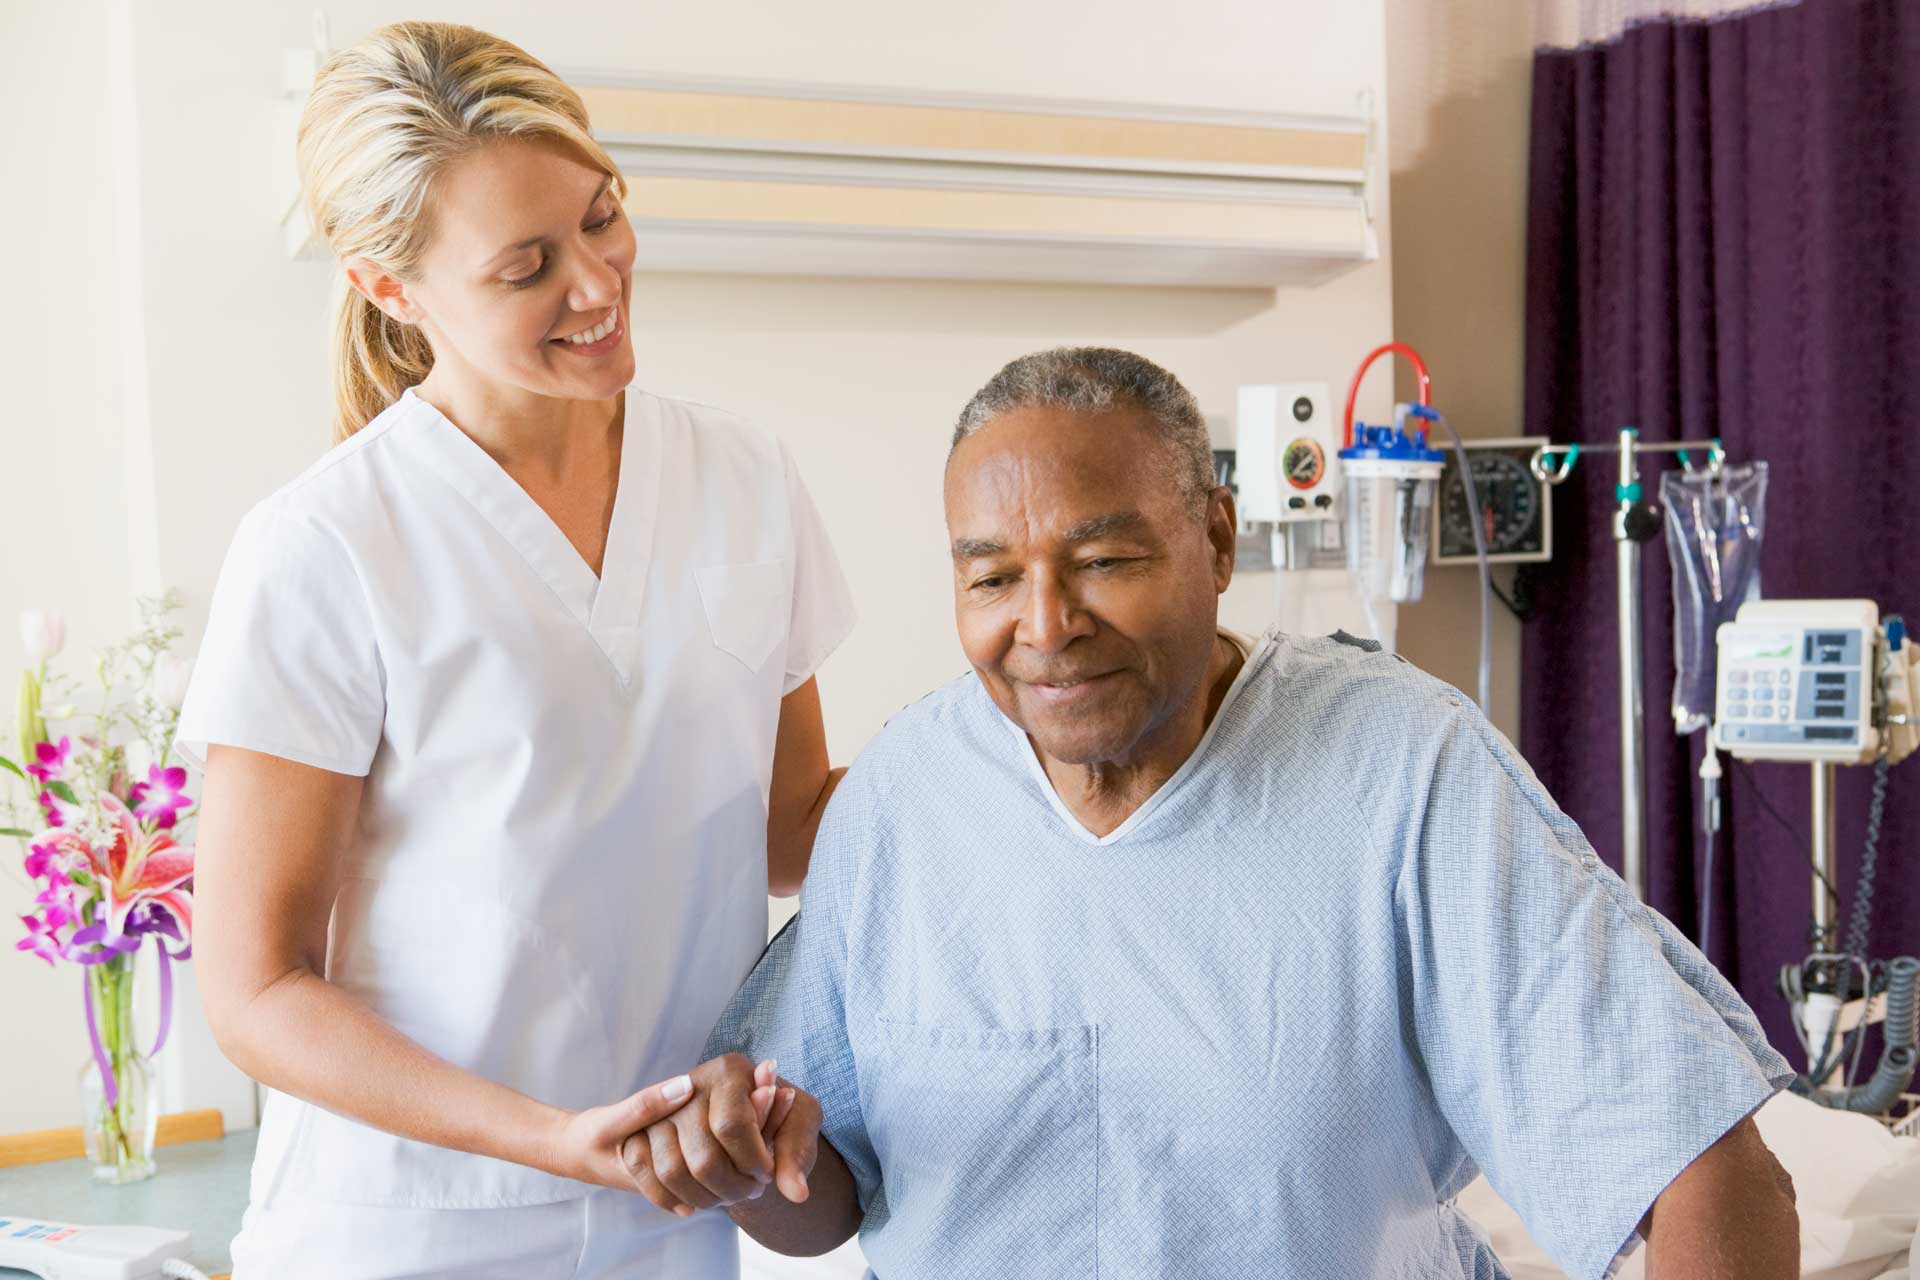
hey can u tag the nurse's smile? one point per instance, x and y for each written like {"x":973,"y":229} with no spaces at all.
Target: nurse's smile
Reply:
{"x":597,"y":339}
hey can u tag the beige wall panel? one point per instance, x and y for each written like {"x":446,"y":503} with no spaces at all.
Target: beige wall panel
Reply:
{"x":894,"y":127}
{"x":920,"y":209}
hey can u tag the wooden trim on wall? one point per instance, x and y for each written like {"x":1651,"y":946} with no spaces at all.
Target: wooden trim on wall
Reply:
{"x":751,"y":121}
{"x":67,"y":1144}
{"x":900,"y":209}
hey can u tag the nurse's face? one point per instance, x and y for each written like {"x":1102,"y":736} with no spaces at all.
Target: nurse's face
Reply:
{"x":528,"y":255}
{"x":1085,"y":590}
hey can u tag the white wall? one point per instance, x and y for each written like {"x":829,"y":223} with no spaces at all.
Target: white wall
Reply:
{"x":65,"y":540}
{"x":862,"y":378}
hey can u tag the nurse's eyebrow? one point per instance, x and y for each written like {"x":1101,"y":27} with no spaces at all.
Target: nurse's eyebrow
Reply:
{"x":531,"y":241}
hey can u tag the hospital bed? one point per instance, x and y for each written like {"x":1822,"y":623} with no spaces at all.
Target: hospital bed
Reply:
{"x":1858,"y":1187}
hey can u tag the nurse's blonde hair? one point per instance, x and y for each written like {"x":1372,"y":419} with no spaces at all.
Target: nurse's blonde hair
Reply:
{"x":386,"y":117}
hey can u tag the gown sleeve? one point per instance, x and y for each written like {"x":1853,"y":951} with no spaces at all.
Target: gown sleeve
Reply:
{"x":793,"y":1006}
{"x":1583,"y":1052}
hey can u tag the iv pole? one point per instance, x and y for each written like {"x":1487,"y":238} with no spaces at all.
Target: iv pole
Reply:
{"x":1635,"y":522}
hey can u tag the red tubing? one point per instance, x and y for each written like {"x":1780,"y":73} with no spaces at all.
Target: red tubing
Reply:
{"x":1353,"y":390}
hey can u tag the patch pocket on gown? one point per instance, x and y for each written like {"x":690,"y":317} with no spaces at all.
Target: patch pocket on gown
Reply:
{"x":985,"y":1135}
{"x":746,"y":608}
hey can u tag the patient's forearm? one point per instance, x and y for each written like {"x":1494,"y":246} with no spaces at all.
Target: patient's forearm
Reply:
{"x":1741,"y":1246}
{"x":828,"y":1217}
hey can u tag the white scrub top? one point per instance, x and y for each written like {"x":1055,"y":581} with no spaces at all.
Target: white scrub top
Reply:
{"x":560,"y":872}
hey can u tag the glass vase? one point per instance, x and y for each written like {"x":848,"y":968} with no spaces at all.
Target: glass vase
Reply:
{"x":118,"y":1125}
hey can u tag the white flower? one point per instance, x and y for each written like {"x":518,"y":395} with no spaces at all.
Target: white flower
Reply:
{"x":170,"y":677}
{"x":43,"y":633}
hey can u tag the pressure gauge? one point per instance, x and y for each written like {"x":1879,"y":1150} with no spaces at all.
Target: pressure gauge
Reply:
{"x":1303,"y":462}
{"x":1515,"y":508}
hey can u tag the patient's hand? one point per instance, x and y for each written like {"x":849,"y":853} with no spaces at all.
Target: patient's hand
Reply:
{"x":740,"y":1131}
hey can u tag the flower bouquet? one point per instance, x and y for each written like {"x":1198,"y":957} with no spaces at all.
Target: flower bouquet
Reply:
{"x":104,"y":821}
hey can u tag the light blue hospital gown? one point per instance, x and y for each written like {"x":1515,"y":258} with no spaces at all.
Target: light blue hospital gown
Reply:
{"x":1348,"y":954}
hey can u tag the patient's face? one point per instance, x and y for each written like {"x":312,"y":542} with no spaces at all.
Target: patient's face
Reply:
{"x":1085,"y":590}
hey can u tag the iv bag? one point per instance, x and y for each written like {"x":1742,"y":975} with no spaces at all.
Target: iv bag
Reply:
{"x":1715,"y":525}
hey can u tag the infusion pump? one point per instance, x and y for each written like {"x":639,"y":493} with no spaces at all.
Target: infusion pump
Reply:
{"x":1814,"y":680}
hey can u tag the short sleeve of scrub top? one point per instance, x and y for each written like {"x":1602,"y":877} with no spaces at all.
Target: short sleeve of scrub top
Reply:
{"x":288,"y":666}
{"x":823,"y":611}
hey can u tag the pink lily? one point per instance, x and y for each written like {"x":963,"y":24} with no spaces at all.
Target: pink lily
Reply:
{"x":50,"y":761}
{"x":141,"y":866}
{"x":179,"y":904}
{"x":160,"y":798}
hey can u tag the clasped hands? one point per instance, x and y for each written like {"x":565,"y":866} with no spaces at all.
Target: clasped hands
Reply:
{"x":721,"y":1134}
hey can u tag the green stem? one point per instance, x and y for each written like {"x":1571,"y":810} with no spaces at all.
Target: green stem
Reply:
{"x":111,"y":987}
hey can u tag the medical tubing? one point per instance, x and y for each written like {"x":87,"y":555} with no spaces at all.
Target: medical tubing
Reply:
{"x":1900,"y":1031}
{"x":1706,"y":896}
{"x":1857,"y":927}
{"x":1479,"y":551}
{"x":1841,"y":1045}
{"x":1353,"y":388}
{"x":1710,"y":774}
{"x":1859,"y":923}
{"x":179,"y":1269}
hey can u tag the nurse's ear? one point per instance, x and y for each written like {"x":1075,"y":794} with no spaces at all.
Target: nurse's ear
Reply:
{"x":383,"y":289}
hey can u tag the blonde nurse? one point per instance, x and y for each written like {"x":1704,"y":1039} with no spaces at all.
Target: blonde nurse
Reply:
{"x":509,"y":722}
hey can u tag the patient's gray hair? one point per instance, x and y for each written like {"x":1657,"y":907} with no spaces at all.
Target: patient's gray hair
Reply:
{"x":1095,"y":379}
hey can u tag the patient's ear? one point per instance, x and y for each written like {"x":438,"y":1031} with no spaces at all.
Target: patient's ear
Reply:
{"x":1223,"y":529}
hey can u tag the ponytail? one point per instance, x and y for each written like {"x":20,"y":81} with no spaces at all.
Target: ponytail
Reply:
{"x":375,"y":359}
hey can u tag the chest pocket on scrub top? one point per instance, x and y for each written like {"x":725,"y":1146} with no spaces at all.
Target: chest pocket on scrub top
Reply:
{"x":746,"y":608}
{"x":977,"y":1128}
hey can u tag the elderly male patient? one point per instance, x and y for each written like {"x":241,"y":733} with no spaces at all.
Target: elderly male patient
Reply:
{"x":1146,"y":949}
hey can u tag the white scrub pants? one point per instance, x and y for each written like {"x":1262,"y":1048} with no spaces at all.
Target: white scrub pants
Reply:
{"x":608,"y":1235}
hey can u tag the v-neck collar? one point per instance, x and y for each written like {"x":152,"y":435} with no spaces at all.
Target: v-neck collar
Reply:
{"x":606,"y":606}
{"x":1262,"y":652}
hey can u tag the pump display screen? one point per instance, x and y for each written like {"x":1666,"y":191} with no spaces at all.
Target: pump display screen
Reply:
{"x":1794,"y":692}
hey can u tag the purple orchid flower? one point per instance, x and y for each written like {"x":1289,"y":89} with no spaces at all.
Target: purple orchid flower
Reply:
{"x":39,"y":858}
{"x":53,"y":809}
{"x":43,"y":938}
{"x":50,"y":761}
{"x":59,"y":890}
{"x":160,"y":799}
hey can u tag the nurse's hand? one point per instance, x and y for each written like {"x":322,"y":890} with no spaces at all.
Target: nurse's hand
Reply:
{"x":713,"y":1151}
{"x":586,"y":1145}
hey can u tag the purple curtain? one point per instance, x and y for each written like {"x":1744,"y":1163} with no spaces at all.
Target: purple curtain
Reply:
{"x":1724,"y":240}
